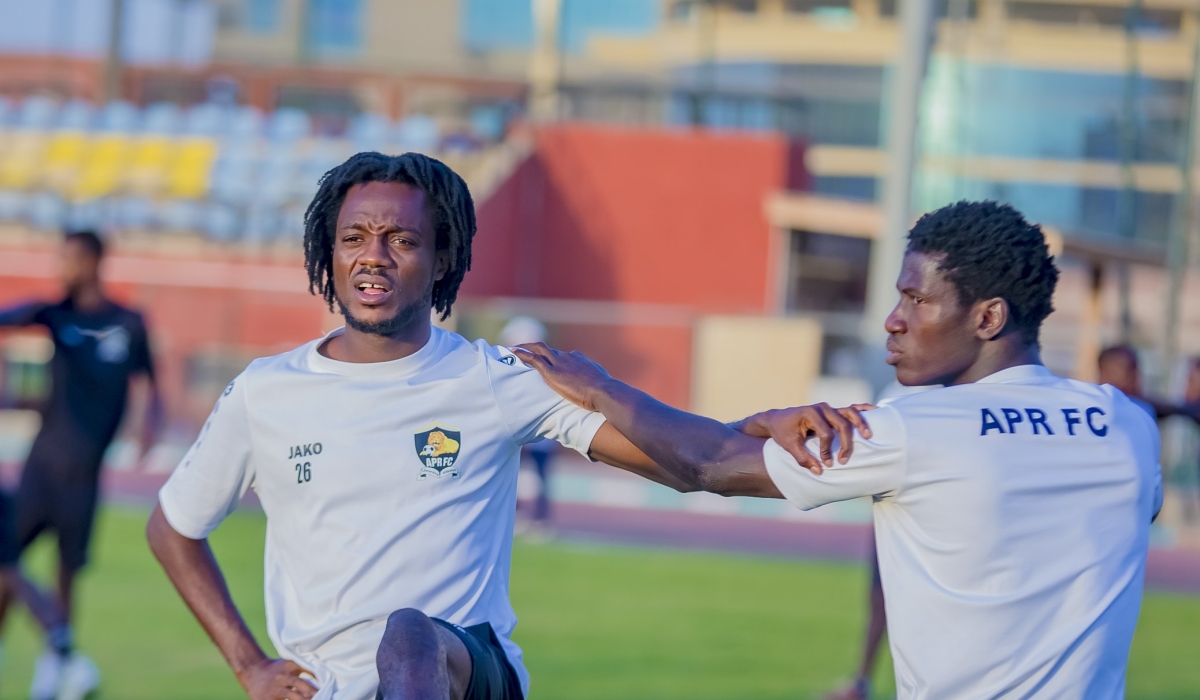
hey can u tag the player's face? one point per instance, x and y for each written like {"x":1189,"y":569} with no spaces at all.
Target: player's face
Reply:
{"x":931,"y":334}
{"x":385,"y":257}
{"x":1121,"y":370}
{"x":1192,"y":392}
{"x":77,"y":266}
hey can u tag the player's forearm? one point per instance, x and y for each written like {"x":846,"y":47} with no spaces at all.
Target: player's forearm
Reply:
{"x":703,"y":453}
{"x":196,"y":576}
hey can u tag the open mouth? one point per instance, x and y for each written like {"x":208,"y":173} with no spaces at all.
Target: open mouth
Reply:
{"x":373,"y":291}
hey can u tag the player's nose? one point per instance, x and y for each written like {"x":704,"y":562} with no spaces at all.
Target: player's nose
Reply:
{"x":894,"y":323}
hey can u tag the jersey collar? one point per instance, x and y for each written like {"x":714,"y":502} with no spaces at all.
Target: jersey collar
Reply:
{"x":403,"y":367}
{"x":1020,"y":373}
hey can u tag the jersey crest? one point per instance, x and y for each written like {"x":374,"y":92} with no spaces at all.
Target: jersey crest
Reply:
{"x":438,"y":450}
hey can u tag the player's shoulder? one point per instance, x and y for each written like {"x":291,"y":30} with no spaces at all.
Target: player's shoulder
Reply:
{"x":500,"y":360}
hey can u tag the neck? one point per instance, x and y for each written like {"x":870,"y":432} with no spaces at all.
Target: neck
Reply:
{"x":88,"y":297}
{"x":357,"y":346}
{"x":1009,"y":352}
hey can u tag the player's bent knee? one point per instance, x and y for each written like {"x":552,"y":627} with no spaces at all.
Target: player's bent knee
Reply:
{"x":408,"y":622}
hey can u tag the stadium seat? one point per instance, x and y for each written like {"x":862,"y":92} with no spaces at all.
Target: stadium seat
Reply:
{"x":418,"y":133}
{"x":77,"y":115}
{"x":132,"y":212}
{"x":13,"y":205}
{"x":221,"y":222}
{"x":37,"y":113}
{"x":289,"y":125}
{"x":207,"y":119}
{"x":162,"y":118}
{"x":369,"y":132}
{"x":245,"y":124}
{"x":47,"y":210}
{"x":120,"y":117}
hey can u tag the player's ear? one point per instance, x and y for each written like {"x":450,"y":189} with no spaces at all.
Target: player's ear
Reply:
{"x":992,"y":315}
{"x":441,"y":265}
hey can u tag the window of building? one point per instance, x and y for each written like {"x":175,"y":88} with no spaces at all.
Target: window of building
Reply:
{"x":827,"y":273}
{"x":805,"y":7}
{"x":1101,"y":15}
{"x":335,"y":26}
{"x":748,"y":7}
{"x":683,"y":10}
{"x":261,"y":16}
{"x":943,"y":8}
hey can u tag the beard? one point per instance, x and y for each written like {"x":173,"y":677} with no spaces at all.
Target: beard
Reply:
{"x":406,"y":317}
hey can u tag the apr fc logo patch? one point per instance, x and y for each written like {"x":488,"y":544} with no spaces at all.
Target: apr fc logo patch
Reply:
{"x":438,"y":450}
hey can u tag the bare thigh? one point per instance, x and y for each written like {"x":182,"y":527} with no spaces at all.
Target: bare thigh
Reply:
{"x":458,"y":662}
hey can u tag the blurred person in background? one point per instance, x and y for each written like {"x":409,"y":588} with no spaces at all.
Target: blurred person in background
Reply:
{"x":100,"y":349}
{"x":1119,"y":366}
{"x":522,"y":330}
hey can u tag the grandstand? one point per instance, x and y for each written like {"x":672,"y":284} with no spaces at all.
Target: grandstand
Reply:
{"x":229,"y":174}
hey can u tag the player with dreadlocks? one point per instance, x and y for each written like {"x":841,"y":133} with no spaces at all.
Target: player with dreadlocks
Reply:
{"x":385,"y":457}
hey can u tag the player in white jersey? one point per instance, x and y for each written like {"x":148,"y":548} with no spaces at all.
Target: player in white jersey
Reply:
{"x":1012,"y":507}
{"x":385,"y":457}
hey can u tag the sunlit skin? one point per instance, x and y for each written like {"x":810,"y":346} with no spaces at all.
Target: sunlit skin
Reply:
{"x":933,"y":338}
{"x":385,"y":263}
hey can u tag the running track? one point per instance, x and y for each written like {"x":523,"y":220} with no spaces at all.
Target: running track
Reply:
{"x":1176,"y":570}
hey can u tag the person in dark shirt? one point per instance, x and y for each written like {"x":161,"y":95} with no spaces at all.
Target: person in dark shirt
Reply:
{"x":99,"y":347}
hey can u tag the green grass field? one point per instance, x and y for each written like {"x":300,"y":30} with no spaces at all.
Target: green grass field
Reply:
{"x":600,"y":623}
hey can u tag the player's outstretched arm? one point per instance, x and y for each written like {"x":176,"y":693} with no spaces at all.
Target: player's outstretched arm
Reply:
{"x":194,"y":571}
{"x":702,"y":453}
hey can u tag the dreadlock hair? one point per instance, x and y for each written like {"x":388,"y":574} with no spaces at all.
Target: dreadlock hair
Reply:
{"x":453,"y":217}
{"x":989,"y":250}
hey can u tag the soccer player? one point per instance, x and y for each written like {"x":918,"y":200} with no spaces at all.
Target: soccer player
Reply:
{"x":385,"y":456}
{"x":100,"y":348}
{"x":1012,"y":507}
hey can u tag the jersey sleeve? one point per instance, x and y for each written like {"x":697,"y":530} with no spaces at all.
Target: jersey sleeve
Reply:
{"x":876,"y":467}
{"x":27,"y":314}
{"x":532,"y":411}
{"x":215,"y":472}
{"x":139,"y":351}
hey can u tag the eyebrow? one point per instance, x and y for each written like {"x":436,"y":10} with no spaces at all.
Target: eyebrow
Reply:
{"x":392,"y":228}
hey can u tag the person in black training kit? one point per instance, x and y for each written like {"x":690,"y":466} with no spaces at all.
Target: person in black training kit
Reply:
{"x":99,"y":346}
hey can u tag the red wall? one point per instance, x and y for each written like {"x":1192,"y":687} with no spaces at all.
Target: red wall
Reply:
{"x":639,"y":216}
{"x":636,"y":215}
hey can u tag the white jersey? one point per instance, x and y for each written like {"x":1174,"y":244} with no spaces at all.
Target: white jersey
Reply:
{"x":386,"y":485}
{"x":1012,"y":522}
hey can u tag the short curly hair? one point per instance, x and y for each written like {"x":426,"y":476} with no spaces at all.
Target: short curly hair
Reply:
{"x":989,"y":250}
{"x":453,"y":217}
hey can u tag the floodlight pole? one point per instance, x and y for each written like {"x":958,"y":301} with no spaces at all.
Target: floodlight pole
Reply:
{"x":1186,"y":220}
{"x":545,"y":62}
{"x":903,"y":110}
{"x":112,"y":61}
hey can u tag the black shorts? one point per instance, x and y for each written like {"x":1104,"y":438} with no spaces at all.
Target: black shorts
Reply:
{"x":492,"y":676}
{"x":68,"y":509}
{"x":9,"y":551}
